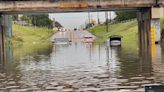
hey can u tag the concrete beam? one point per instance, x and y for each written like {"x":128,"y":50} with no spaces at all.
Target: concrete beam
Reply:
{"x":78,"y":5}
{"x":155,"y":12}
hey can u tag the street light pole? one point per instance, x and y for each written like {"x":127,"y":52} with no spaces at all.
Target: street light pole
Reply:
{"x":89,"y":19}
{"x":106,"y":16}
{"x":110,"y":16}
{"x":98,"y":20}
{"x":54,"y":22}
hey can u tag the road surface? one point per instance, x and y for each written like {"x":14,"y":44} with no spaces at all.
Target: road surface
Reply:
{"x":74,"y":36}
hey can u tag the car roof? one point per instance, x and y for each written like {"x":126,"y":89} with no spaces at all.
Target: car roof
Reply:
{"x":87,"y":35}
{"x":115,"y":36}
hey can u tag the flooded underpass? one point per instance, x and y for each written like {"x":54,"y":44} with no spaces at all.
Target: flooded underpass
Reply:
{"x":76,"y":66}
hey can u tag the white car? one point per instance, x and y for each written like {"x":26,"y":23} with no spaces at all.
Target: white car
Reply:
{"x":115,"y":40}
{"x":61,"y":41}
{"x":115,"y":43}
{"x":62,"y":29}
{"x":88,"y":39}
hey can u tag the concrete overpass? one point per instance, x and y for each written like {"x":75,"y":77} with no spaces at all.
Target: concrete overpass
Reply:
{"x":18,"y":6}
{"x":148,"y":16}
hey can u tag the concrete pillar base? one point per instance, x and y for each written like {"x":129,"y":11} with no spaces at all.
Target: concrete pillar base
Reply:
{"x":2,"y":52}
{"x":144,"y":25}
{"x":5,"y":31}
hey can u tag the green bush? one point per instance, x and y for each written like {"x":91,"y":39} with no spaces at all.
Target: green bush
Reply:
{"x":19,"y":39}
{"x":162,"y":27}
{"x":162,"y":33}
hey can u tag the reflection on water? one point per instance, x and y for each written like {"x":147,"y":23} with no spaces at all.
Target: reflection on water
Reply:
{"x":158,"y":64}
{"x":112,"y":61}
{"x":82,"y":67}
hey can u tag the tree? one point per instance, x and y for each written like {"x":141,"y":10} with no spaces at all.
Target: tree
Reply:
{"x":125,"y":15}
{"x":26,"y":18}
{"x":57,"y":24}
{"x":15,"y":17}
{"x":40,"y":20}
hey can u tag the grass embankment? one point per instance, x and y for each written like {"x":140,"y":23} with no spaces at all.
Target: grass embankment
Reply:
{"x":28,"y":40}
{"x":128,"y":30}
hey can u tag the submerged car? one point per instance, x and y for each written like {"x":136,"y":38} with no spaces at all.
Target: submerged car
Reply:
{"x":88,"y":38}
{"x":59,"y":41}
{"x":114,"y":40}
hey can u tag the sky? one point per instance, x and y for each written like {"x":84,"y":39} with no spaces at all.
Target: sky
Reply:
{"x":77,"y":20}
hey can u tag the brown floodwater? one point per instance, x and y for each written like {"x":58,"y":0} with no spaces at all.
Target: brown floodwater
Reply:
{"x":81,"y":67}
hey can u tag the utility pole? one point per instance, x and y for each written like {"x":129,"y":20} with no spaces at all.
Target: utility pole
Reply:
{"x":89,"y":18}
{"x":110,"y":15}
{"x":54,"y":22}
{"x":33,"y":20}
{"x":98,"y":19}
{"x":106,"y":16}
{"x":163,"y":11}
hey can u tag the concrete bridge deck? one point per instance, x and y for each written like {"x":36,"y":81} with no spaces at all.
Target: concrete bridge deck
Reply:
{"x":13,"y":6}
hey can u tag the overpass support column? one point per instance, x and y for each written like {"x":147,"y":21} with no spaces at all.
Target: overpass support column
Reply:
{"x":149,"y":31}
{"x":2,"y":43}
{"x":5,"y":31}
{"x":144,"y":26}
{"x":144,"y":32}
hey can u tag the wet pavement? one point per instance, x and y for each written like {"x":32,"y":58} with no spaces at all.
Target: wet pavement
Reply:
{"x":82,"y":67}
